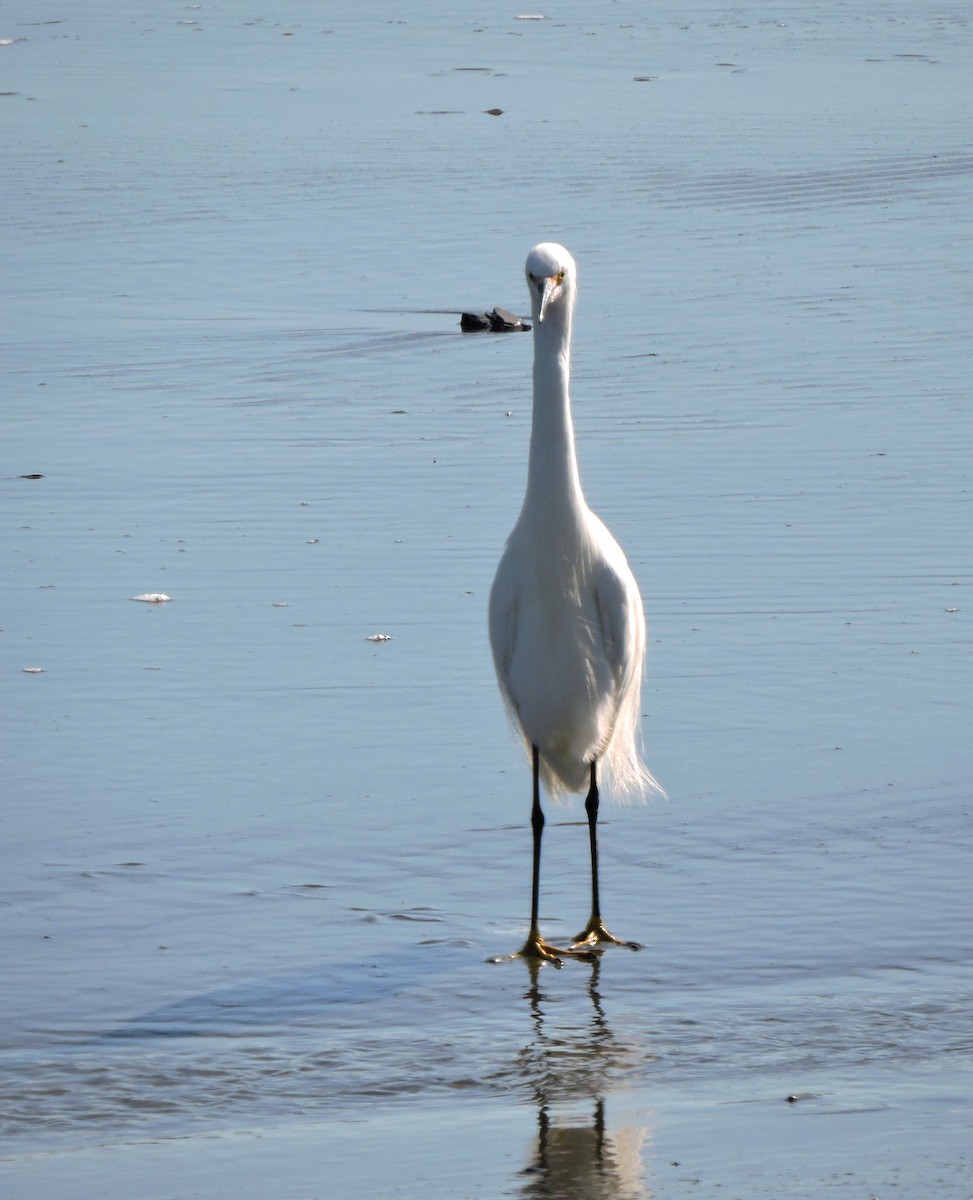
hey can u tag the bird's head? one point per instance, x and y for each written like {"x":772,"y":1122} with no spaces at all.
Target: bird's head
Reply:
{"x":551,"y":277}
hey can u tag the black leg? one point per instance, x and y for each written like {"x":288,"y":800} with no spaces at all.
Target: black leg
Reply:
{"x":595,"y":933}
{"x":537,"y":825}
{"x":535,"y":949}
{"x":591,"y":808}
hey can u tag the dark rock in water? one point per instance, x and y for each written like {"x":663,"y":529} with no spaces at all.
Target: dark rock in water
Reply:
{"x":473,"y":322}
{"x":502,"y":321}
{"x":497,"y":320}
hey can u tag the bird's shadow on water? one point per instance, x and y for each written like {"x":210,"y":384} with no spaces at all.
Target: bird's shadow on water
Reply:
{"x":332,"y":995}
{"x":424,"y":1023}
{"x":436,"y":993}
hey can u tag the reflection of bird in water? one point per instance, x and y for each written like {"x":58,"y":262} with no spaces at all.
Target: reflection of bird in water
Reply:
{"x":582,"y":1162}
{"x":575,"y":1157}
{"x":566,"y":620}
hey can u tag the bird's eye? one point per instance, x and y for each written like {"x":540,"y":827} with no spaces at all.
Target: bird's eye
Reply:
{"x":560,"y":277}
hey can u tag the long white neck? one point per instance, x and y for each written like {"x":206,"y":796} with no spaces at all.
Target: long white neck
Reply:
{"x":553,"y":482}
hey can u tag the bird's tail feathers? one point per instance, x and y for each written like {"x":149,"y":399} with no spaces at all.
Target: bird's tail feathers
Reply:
{"x":630,"y":780}
{"x":625,"y":775}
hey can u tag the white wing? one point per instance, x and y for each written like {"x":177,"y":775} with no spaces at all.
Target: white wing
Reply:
{"x":621,"y":626}
{"x":504,"y":603}
{"x":618,"y":605}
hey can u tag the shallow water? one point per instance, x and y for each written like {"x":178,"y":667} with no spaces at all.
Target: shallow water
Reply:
{"x":253,"y":862}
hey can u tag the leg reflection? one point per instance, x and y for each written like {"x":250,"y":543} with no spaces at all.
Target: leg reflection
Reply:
{"x":570,"y":1066}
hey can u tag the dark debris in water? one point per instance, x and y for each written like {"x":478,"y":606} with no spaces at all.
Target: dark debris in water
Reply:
{"x":497,"y":320}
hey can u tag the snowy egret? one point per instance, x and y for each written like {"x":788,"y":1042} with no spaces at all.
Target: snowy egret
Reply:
{"x":566,"y":620}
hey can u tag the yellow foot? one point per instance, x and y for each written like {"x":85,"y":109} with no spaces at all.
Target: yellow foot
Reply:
{"x":536,"y":949}
{"x":595,"y":934}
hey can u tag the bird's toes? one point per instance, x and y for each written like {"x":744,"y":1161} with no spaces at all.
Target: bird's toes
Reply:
{"x":596,"y":934}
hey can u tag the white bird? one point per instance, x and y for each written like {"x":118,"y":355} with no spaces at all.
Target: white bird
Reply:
{"x":566,"y":620}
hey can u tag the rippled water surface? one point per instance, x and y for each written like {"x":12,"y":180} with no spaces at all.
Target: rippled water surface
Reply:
{"x":253,"y":862}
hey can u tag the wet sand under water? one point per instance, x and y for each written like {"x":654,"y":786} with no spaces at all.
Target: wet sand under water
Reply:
{"x":254,"y":863}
